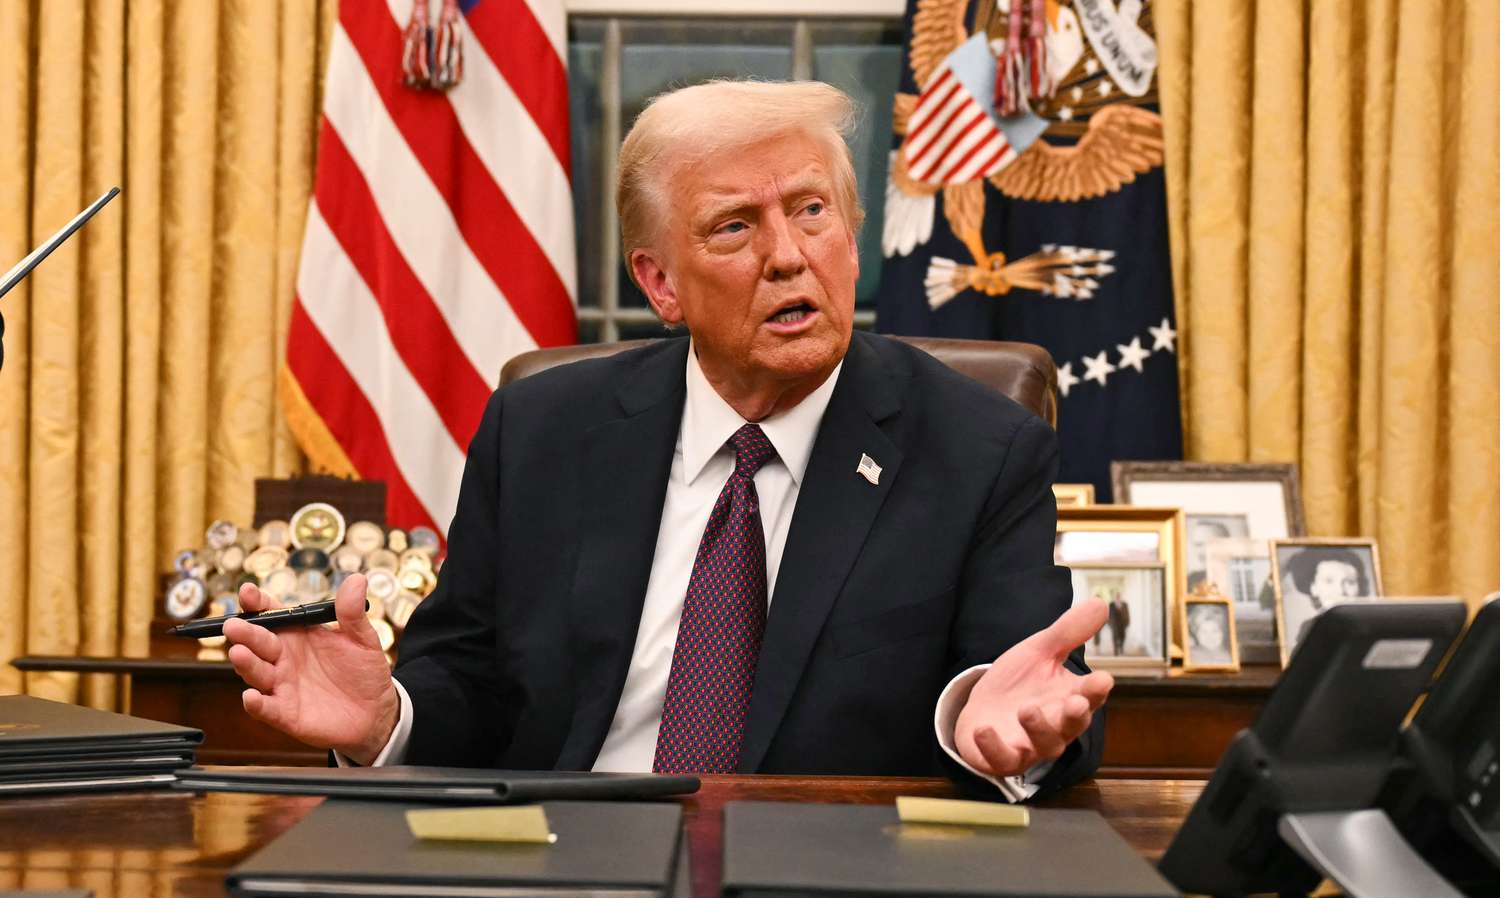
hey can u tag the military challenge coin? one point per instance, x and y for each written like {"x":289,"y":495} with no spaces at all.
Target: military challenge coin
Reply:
{"x":317,"y":526}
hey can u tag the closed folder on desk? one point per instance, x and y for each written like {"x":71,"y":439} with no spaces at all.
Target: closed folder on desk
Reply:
{"x":56,"y":747}
{"x":457,"y":785}
{"x":778,"y":850}
{"x":365,"y":848}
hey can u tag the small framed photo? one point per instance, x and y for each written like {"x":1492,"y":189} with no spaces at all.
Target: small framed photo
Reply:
{"x":1240,"y":568}
{"x":1311,"y":575}
{"x":1134,"y":636}
{"x":1209,"y":642}
{"x":1073,"y":494}
{"x":1121,"y":535}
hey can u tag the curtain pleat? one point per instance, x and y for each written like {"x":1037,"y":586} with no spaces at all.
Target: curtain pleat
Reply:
{"x":139,"y":386}
{"x":1340,"y":209}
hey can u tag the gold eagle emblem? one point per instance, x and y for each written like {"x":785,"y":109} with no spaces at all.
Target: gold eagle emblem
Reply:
{"x":1097,"y":137}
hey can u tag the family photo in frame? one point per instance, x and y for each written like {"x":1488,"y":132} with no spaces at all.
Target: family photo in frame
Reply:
{"x":1313,"y":575}
{"x":1230,"y":513}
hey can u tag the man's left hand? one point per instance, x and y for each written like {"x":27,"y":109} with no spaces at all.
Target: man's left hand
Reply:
{"x":1027,"y":707}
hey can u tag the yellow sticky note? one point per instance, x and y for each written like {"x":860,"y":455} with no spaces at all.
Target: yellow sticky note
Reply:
{"x":520,"y":823}
{"x":971,"y":813}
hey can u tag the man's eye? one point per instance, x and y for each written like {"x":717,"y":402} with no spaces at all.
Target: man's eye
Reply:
{"x":814,"y":209}
{"x":733,"y":227}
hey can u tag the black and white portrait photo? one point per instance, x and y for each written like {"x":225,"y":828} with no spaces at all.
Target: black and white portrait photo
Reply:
{"x":1202,"y":530}
{"x":1209,"y":630}
{"x":1312,"y":576}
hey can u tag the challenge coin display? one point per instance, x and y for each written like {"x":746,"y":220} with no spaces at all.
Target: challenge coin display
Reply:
{"x":381,"y":584}
{"x":424,"y":538}
{"x":383,"y":560}
{"x":276,"y":534}
{"x":365,"y":537}
{"x":317,"y":526}
{"x":186,"y":598}
{"x":264,"y":560}
{"x":305,"y":559}
{"x":220,"y":535}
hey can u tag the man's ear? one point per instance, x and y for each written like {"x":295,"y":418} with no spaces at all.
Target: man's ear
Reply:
{"x":853,"y":250}
{"x":654,"y":281}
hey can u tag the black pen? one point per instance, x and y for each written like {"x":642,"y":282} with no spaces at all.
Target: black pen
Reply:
{"x":275,"y":619}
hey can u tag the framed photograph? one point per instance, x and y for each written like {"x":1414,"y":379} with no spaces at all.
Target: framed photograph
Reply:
{"x":1073,"y":494}
{"x":1241,"y":570}
{"x":1134,"y":636}
{"x":1116,"y":535}
{"x":1311,"y":575}
{"x":1209,"y":641}
{"x":1223,"y":502}
{"x":1268,"y":496}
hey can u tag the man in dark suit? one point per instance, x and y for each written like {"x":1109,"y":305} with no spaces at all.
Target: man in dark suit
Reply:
{"x":773,"y":546}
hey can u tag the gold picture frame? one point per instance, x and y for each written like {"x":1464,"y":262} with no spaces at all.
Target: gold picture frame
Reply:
{"x":1287,"y":560}
{"x":1116,"y":535}
{"x":1209,"y":638}
{"x":1073,"y":495}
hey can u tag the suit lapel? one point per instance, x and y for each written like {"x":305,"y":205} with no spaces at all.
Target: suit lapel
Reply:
{"x":626,"y":463}
{"x":835,"y":508}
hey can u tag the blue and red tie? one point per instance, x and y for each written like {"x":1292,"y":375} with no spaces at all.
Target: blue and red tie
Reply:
{"x":723,"y":620}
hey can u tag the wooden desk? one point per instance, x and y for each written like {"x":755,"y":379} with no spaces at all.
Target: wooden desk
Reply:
{"x":150,"y":844}
{"x":1173,"y":727}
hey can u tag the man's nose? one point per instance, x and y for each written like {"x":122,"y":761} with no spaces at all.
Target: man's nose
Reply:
{"x":783,"y":252}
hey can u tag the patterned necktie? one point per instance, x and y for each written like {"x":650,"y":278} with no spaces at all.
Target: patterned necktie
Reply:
{"x":723,"y":619}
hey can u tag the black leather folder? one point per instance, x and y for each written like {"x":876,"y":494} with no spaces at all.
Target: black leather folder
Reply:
{"x":779,"y":850}
{"x":37,"y":727}
{"x":364,"y":848}
{"x":456,"y":785}
{"x":56,"y":747}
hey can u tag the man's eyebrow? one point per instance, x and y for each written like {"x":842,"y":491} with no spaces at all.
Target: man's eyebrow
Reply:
{"x":729,"y":202}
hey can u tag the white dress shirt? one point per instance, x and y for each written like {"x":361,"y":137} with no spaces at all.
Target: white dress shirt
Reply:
{"x":701,"y":465}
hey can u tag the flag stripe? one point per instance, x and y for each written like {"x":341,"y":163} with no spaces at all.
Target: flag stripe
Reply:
{"x":981,"y":142}
{"x":968,"y":113}
{"x":417,"y":330}
{"x":940,"y":108}
{"x":958,"y":143}
{"x":509,"y":35}
{"x":929,"y":101}
{"x":500,"y":240}
{"x":347,"y":315}
{"x":347,"y":414}
{"x":960,"y":105}
{"x":422,"y":225}
{"x":519,"y":149}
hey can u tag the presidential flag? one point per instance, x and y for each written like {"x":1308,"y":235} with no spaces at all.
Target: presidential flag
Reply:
{"x":439,"y":239}
{"x":1026,"y":201}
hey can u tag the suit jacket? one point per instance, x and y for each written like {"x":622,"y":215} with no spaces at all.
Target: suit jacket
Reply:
{"x":885,"y":591}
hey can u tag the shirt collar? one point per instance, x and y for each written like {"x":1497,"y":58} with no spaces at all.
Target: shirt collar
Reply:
{"x":708,"y":422}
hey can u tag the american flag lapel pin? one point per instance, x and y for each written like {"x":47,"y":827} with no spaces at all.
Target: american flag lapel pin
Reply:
{"x":868,"y":469}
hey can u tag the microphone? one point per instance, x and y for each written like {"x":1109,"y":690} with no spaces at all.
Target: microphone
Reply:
{"x":23,"y":268}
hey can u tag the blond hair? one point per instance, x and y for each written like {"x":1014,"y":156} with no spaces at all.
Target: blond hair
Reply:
{"x":693,"y":123}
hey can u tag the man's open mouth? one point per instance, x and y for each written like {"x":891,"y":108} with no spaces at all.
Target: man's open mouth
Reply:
{"x":792,"y":314}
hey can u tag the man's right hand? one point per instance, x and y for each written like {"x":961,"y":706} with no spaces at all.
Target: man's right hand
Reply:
{"x":329,"y":686}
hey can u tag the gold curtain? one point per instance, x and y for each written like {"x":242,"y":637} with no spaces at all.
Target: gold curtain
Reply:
{"x":1335,"y":219}
{"x":138,"y":392}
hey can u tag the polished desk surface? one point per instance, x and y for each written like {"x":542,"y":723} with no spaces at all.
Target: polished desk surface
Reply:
{"x":140,"y":844}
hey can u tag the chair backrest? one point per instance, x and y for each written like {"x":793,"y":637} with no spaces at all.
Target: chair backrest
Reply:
{"x":1022,"y":371}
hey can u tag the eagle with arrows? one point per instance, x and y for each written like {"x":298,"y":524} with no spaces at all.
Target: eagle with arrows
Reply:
{"x":990,"y":98}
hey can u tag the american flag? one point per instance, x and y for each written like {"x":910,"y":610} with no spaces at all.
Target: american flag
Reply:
{"x":951,"y":137}
{"x":439,"y":244}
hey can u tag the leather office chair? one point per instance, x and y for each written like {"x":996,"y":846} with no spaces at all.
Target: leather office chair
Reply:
{"x":1023,"y":371}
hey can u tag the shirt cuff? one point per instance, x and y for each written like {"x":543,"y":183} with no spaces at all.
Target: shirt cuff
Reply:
{"x":395,"y":747}
{"x":945,"y":721}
